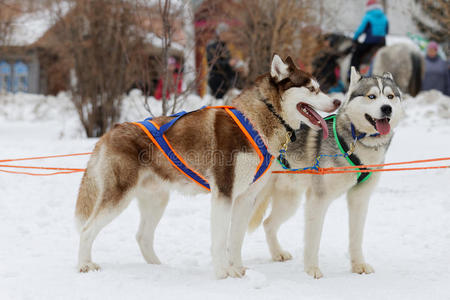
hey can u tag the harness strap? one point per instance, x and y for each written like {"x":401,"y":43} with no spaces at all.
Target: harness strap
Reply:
{"x":352,"y":159}
{"x":255,"y":139}
{"x":166,"y":126}
{"x":156,"y":134}
{"x":180,"y":114}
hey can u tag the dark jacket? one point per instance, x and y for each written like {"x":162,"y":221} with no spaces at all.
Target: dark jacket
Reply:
{"x":221,"y":75}
{"x":436,"y":75}
{"x":324,"y":66}
{"x":218,"y":57}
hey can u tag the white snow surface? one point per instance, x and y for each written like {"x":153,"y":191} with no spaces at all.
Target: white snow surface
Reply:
{"x":407,"y":236}
{"x":158,"y":42}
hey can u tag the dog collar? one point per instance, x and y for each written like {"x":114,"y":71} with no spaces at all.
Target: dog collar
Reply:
{"x":362,"y":135}
{"x":288,"y":128}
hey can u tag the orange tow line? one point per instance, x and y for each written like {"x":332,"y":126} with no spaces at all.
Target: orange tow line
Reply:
{"x":60,"y":170}
{"x":320,"y":171}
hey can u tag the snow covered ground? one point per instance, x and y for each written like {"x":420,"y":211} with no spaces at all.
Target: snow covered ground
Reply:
{"x":407,"y":234}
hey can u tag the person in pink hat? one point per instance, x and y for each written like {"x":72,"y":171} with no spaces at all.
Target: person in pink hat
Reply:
{"x":376,"y":26}
{"x":436,"y":75}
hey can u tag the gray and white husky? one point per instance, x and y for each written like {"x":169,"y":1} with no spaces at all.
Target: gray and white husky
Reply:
{"x":372,"y":107}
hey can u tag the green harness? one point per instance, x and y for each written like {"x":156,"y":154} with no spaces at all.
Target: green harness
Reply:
{"x":347,"y":152}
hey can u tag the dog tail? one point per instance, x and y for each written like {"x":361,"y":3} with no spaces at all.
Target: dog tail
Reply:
{"x":88,"y":194}
{"x":258,"y":215}
{"x":415,"y":83}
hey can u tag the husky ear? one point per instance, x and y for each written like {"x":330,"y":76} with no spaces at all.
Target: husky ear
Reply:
{"x":388,"y":75}
{"x":290,"y":62}
{"x":354,"y":75}
{"x":278,"y":70}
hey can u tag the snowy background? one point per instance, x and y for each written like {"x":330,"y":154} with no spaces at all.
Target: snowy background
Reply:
{"x":407,"y":237}
{"x":345,"y":16}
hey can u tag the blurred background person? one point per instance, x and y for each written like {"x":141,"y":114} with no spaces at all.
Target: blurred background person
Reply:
{"x":222,"y":74}
{"x":375,"y":25}
{"x":326,"y":67}
{"x":436,"y":71}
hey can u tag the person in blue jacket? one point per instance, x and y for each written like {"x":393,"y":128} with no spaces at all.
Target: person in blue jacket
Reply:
{"x":375,"y":25}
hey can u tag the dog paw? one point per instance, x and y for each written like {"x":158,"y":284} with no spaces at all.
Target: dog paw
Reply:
{"x":86,"y":267}
{"x":362,"y":268}
{"x":152,"y":260}
{"x":230,"y":271}
{"x":314,"y":272}
{"x":155,"y":261}
{"x":282,"y":256}
{"x":236,"y":272}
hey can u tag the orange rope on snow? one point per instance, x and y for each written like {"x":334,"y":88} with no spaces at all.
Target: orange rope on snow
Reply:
{"x":38,"y":174}
{"x":44,"y":157}
{"x":357,"y":169}
{"x":323,"y":171}
{"x":42,"y":168}
{"x":320,"y":171}
{"x":61,"y":170}
{"x":385,"y":170}
{"x":391,"y":164}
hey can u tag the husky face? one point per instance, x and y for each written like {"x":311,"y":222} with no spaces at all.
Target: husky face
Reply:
{"x":373,"y":103}
{"x":300,"y":95}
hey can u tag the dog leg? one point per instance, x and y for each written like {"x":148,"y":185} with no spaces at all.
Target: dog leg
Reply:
{"x":284,"y":206}
{"x":240,"y":218}
{"x":101,"y":217}
{"x":315,"y":210}
{"x":358,"y":202}
{"x":220,"y":221}
{"x":152,"y":207}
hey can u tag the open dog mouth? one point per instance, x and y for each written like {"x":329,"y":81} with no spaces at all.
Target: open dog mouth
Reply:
{"x":380,"y":125}
{"x":315,"y":119}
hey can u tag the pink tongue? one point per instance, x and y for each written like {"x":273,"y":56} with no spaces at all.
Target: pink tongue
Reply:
{"x":383,"y":126}
{"x":323,"y":124}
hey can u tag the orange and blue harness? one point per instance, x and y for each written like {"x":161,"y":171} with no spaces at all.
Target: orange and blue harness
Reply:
{"x":156,"y":134}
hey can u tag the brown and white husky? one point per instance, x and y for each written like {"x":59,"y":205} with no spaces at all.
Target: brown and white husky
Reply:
{"x":126,"y":164}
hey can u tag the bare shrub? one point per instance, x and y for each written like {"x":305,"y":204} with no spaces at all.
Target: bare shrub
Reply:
{"x":273,"y":26}
{"x":438,"y":23}
{"x":97,"y":36}
{"x":170,"y":26}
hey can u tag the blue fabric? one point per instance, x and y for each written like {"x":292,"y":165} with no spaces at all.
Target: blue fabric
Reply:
{"x":20,"y":81}
{"x":338,"y":88}
{"x":158,"y":135}
{"x":5,"y":76}
{"x":362,"y":135}
{"x":166,"y":126}
{"x":375,"y":25}
{"x":259,"y":142}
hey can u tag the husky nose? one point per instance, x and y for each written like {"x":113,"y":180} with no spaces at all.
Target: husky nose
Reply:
{"x":386,"y":110}
{"x":337,"y":103}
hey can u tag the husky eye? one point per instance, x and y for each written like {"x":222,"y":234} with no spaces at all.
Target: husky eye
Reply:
{"x":371,"y":96}
{"x":390,"y":96}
